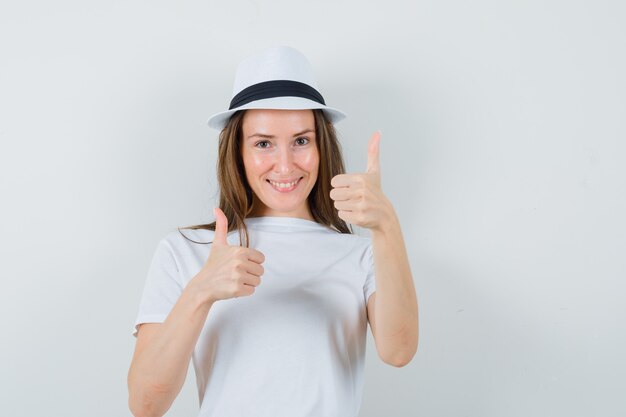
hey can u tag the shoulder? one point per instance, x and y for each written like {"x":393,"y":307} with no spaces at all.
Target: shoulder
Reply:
{"x":361,"y":249}
{"x":182,"y":239}
{"x":360,"y":239}
{"x":359,"y":242}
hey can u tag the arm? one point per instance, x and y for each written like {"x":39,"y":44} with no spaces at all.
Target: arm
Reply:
{"x":394,"y":324}
{"x":162,"y":354}
{"x":161,"y":359}
{"x":392,"y":309}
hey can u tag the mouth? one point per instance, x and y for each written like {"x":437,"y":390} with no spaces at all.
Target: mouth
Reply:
{"x":284,"y":188}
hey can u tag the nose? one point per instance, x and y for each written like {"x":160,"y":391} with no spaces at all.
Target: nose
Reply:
{"x":284,"y":161}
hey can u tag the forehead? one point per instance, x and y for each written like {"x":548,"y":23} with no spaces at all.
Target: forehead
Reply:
{"x":272,"y":121}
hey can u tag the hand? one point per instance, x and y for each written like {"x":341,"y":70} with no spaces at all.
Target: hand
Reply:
{"x":359,"y":198}
{"x":230,"y":271}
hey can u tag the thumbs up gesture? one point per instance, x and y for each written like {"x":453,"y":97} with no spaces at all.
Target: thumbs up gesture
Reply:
{"x":359,"y":198}
{"x":230,"y":271}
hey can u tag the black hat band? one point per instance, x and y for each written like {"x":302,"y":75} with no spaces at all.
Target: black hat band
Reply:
{"x":275,"y":88}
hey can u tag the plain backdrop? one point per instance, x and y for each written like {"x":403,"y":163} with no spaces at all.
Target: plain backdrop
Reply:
{"x":502,"y":150}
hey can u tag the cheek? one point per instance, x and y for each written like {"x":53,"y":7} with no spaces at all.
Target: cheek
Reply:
{"x":257,"y":163}
{"x":310,"y":161}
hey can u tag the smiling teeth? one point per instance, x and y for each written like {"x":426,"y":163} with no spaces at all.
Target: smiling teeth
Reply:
{"x":281,"y":185}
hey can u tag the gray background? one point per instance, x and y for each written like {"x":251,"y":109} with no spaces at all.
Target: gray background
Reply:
{"x":502,"y":151}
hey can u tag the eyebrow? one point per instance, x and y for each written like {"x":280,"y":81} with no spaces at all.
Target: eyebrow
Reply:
{"x":272,"y":136}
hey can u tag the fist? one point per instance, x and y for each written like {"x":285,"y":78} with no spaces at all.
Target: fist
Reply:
{"x":230,"y":271}
{"x":359,"y":198}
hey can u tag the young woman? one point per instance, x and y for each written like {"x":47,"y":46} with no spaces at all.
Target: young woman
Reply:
{"x":272,"y":300}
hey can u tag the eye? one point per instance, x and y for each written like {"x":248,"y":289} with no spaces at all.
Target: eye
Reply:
{"x":261,"y":141}
{"x":305,"y":138}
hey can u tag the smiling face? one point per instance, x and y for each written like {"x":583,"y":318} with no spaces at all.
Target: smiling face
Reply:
{"x":281,"y":160}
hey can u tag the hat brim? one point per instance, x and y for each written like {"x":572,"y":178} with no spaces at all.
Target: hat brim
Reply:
{"x":218,"y":120}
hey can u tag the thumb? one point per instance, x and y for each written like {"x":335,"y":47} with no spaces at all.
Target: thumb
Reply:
{"x":221,"y":227}
{"x":373,"y":153}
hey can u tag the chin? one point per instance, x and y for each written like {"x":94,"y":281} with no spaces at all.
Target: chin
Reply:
{"x":283,"y":207}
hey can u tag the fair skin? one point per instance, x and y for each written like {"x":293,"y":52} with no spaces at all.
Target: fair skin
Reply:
{"x":279,"y":145}
{"x":274,"y":147}
{"x":392,"y":309}
{"x":163,"y":350}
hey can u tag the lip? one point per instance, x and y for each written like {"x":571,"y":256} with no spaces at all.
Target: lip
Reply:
{"x":285,"y":190}
{"x":284,"y":181}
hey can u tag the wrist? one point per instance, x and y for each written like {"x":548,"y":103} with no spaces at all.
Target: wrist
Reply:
{"x":388,"y":223}
{"x":197,"y":296}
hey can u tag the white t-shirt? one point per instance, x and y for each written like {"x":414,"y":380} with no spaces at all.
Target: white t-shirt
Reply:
{"x":296,"y":347}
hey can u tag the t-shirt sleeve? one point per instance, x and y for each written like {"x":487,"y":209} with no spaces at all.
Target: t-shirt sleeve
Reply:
{"x":162,"y":287}
{"x":370,"y":282}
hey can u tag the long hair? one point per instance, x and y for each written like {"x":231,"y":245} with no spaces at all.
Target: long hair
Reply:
{"x":235,"y":198}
